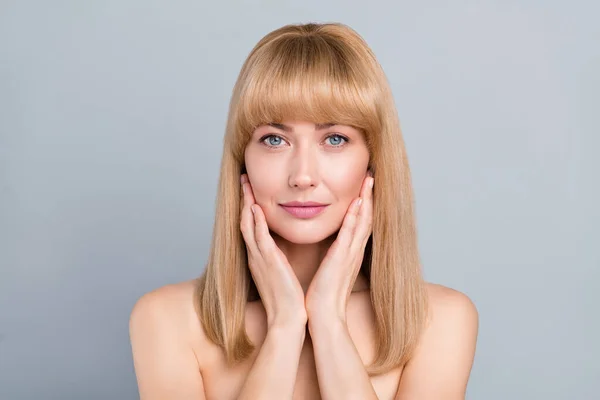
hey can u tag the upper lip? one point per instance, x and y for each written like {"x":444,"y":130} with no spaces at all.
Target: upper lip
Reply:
{"x":303,"y":204}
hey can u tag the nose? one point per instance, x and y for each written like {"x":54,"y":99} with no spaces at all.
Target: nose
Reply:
{"x":303,"y":170}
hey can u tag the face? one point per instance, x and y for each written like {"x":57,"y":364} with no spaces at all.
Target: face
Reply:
{"x":304,"y":162}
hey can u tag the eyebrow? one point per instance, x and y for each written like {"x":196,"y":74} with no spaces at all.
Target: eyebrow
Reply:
{"x":288,"y":128}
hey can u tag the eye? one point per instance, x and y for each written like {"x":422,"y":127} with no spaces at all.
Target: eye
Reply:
{"x":271,"y":141}
{"x":338,"y":140}
{"x":274,"y":141}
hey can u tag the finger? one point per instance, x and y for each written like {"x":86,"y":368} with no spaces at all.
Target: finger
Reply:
{"x":251,"y":201}
{"x":263,"y":238}
{"x":247,"y":220}
{"x":349,"y":224}
{"x":249,"y":192}
{"x":260,"y":240}
{"x":365,"y":215}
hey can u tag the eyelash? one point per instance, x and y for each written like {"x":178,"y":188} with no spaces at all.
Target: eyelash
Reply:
{"x":262,"y":140}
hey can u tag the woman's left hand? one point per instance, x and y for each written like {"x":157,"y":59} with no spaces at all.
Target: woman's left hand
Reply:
{"x":330,"y":288}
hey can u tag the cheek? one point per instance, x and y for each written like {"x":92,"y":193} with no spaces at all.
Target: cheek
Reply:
{"x":262,"y":174}
{"x":347,"y":181}
{"x":261,"y":188}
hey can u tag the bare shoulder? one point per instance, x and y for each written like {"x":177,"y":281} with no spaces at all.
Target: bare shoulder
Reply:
{"x":168,"y":309}
{"x":176,"y":297}
{"x":453,"y":321}
{"x":162,"y":326}
{"x":173,"y":304}
{"x":443,"y":298}
{"x":442,"y":362}
{"x":451,"y":312}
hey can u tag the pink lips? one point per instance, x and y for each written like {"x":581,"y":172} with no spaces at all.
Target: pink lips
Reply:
{"x":304,"y":210}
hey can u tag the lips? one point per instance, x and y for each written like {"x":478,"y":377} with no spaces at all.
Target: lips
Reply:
{"x":304,"y":212}
{"x":303,"y":204}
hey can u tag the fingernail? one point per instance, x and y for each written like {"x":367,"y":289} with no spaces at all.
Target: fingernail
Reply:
{"x":252,"y":208}
{"x":359,"y":202}
{"x":371,"y":181}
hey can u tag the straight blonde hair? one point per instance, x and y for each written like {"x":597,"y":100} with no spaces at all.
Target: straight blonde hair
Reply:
{"x":321,"y":73}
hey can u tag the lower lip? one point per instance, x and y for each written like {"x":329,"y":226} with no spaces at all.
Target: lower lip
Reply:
{"x":304,"y":212}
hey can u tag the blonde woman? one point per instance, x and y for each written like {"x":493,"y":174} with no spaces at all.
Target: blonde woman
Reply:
{"x":313,"y":286}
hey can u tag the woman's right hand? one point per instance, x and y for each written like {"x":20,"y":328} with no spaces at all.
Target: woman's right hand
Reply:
{"x":280,"y":291}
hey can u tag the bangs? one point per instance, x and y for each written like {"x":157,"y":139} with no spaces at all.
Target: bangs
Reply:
{"x":308,"y":78}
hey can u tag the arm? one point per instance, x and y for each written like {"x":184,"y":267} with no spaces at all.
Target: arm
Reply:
{"x":273,"y":374}
{"x":441,"y":364}
{"x":165,"y":364}
{"x":340,"y":369}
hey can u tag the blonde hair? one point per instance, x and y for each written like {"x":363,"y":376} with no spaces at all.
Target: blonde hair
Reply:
{"x":321,"y":73}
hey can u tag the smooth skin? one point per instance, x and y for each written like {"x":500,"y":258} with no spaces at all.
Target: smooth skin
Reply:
{"x":170,"y":364}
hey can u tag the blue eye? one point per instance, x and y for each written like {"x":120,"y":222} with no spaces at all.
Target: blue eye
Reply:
{"x":337,"y":143}
{"x":271,"y":143}
{"x":274,"y":141}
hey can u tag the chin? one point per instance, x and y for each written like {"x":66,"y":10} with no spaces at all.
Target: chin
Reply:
{"x":308,"y":234}
{"x":296,"y":238}
{"x":304,"y":231}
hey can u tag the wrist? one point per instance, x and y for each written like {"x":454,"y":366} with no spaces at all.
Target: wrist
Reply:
{"x":324,"y":318}
{"x":327,"y":314}
{"x":289,"y":326}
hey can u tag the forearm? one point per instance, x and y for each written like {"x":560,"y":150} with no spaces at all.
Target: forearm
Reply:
{"x":340,"y":369}
{"x":273,"y":373}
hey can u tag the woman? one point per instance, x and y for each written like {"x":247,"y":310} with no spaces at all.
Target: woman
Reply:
{"x":313,"y":287}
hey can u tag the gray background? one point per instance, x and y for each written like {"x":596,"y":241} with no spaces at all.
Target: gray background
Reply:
{"x":111,"y":122}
